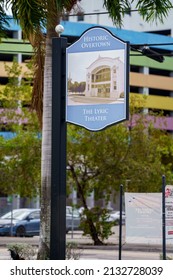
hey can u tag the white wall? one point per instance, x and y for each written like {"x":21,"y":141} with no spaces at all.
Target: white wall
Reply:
{"x":130,"y":22}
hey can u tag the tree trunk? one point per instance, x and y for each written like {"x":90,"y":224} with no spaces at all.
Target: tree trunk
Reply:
{"x":93,"y":231}
{"x":44,"y":246}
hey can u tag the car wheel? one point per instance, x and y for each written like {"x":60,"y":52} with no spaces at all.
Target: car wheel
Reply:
{"x":20,"y":231}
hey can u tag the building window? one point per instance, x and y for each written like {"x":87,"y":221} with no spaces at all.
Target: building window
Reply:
{"x":65,"y":17}
{"x":93,"y":80}
{"x":80,"y":17}
{"x":103,"y":75}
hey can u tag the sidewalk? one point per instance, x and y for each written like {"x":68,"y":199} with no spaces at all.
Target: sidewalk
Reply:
{"x":110,"y":251}
{"x":4,"y":254}
{"x":112,"y":244}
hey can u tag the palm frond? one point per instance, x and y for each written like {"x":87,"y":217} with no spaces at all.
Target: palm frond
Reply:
{"x":30,"y":14}
{"x":117,"y":9}
{"x":152,"y":10}
{"x":3,"y":19}
{"x":66,"y":4}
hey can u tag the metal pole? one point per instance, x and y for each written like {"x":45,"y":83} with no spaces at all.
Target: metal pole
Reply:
{"x":163,"y":218}
{"x":120,"y":222}
{"x":11,"y":226}
{"x":58,"y":163}
{"x":73,"y":205}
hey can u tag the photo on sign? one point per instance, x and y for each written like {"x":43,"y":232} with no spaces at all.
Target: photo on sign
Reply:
{"x":96,"y":78}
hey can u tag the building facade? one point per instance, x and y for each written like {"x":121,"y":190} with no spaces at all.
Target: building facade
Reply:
{"x":105,"y":78}
{"x":96,"y":13}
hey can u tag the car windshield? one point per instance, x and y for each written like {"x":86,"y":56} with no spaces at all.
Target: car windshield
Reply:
{"x":76,"y":212}
{"x":70,"y":210}
{"x":17,"y":215}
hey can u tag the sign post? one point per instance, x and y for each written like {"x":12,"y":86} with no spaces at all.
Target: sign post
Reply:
{"x":163,"y":219}
{"x":96,"y":97}
{"x":58,"y":155}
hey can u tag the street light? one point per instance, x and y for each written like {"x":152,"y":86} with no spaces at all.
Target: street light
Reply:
{"x":145,"y":50}
{"x":152,"y":54}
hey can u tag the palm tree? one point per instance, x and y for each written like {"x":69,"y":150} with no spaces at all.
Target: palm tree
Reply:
{"x":38,"y":20}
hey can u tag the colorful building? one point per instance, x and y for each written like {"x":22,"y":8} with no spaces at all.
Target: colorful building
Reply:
{"x":147,"y":76}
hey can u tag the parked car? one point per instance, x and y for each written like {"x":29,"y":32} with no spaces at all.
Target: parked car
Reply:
{"x":20,"y":222}
{"x":26,"y":222}
{"x":73,"y":219}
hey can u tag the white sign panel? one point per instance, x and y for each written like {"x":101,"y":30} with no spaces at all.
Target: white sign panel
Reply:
{"x":143,"y":218}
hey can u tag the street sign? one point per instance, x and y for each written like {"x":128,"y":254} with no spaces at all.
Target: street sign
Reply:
{"x":169,"y":211}
{"x":97,"y":80}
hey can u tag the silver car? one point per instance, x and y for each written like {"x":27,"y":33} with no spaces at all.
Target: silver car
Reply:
{"x":114,"y":216}
{"x":72,"y":219}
